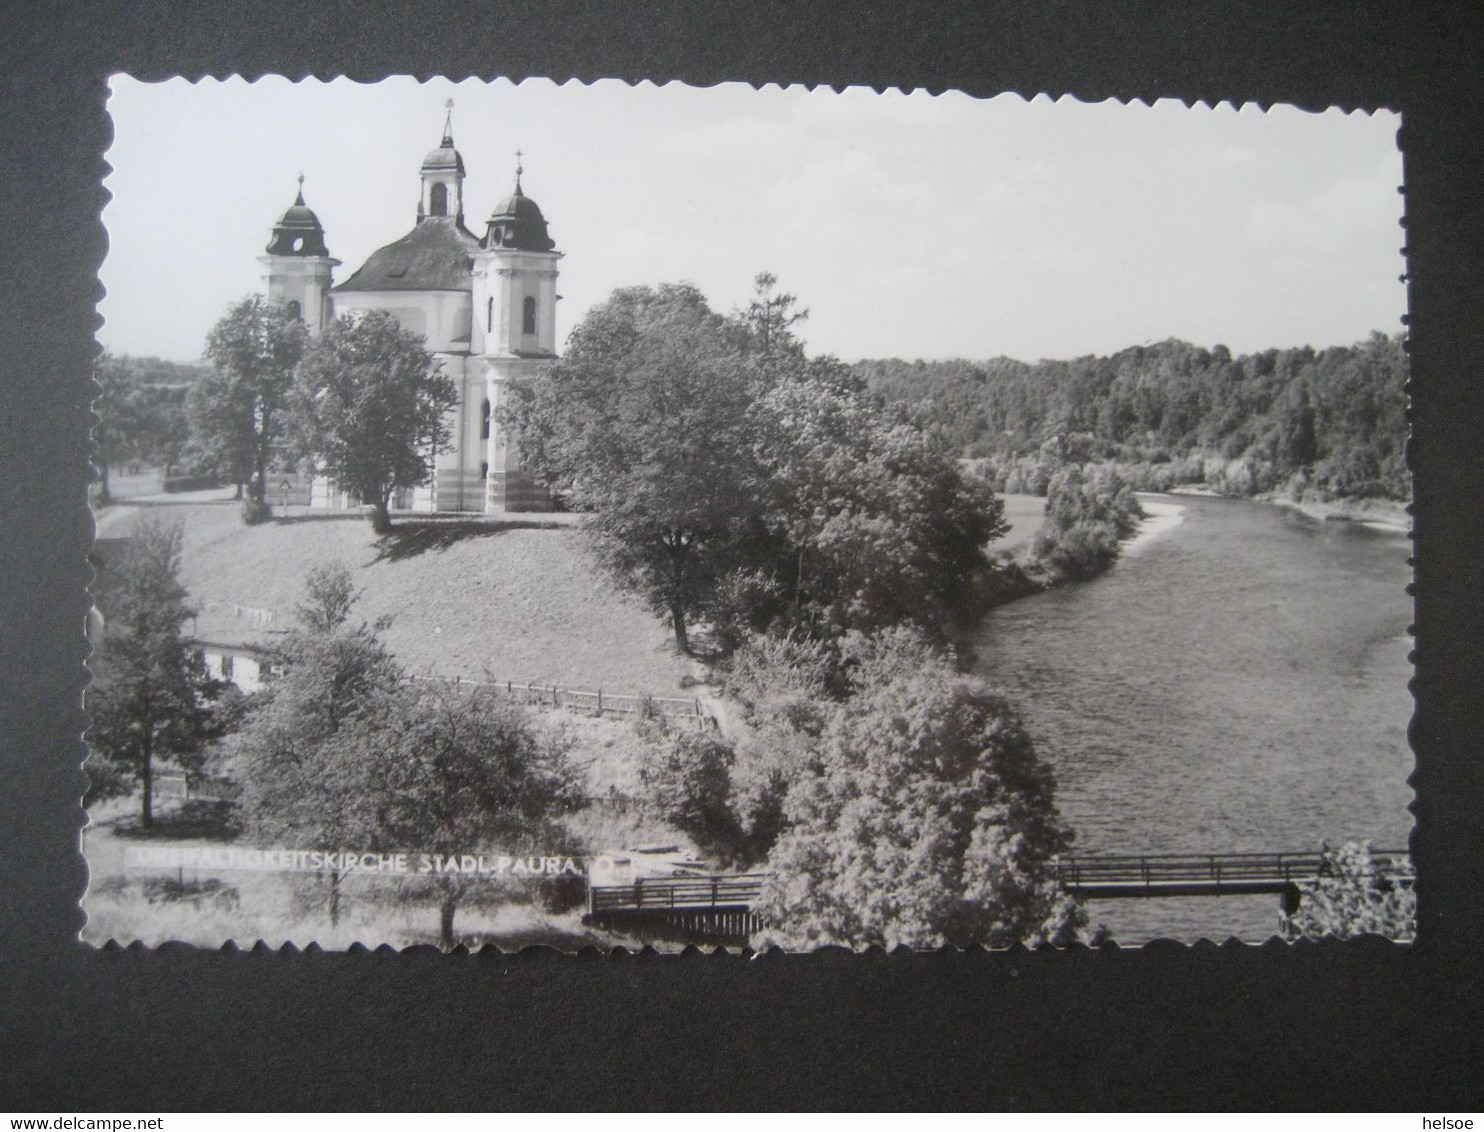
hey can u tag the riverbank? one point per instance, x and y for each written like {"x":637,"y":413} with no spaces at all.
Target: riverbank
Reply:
{"x":1384,"y":514}
{"x":1160,"y":517}
{"x":1019,"y":576}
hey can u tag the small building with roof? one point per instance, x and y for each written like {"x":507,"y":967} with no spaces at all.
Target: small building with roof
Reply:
{"x":485,"y":304}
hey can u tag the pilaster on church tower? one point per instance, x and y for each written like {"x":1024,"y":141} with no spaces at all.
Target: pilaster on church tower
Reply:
{"x":298,"y":267}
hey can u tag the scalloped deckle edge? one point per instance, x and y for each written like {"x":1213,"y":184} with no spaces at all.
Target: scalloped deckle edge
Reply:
{"x":912,"y":225}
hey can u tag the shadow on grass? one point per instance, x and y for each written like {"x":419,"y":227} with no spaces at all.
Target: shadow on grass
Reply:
{"x":408,"y":540}
{"x":161,"y":501}
{"x":325,"y":516}
{"x":197,"y":818}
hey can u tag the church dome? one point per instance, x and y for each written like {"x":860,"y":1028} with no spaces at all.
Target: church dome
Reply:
{"x":298,"y":231}
{"x":444,"y":157}
{"x":517,"y":223}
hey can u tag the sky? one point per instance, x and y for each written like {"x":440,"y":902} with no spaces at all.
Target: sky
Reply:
{"x":910,"y":225}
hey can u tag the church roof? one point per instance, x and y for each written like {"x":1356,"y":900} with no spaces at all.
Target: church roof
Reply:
{"x":437,"y":255}
{"x":298,"y":231}
{"x":444,"y":157}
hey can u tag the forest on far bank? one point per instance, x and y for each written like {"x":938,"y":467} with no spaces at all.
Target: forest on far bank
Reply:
{"x":1328,"y":423}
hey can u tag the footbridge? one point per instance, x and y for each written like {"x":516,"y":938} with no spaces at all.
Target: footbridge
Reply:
{"x":1115,"y":877}
{"x":723,"y":907}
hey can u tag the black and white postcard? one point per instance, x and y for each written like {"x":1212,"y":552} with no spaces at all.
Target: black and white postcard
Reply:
{"x":608,"y":515}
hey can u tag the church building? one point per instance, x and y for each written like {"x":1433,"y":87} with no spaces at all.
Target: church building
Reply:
{"x":486,"y":305}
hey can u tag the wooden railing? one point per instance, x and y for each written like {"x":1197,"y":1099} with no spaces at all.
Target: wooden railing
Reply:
{"x":1196,"y":874}
{"x":1149,"y":874}
{"x":684,"y":893}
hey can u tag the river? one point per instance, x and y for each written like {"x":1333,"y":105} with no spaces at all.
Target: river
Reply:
{"x":1236,"y":683}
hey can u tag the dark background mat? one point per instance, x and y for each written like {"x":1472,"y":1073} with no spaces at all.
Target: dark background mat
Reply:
{"x":1364,"y":1025}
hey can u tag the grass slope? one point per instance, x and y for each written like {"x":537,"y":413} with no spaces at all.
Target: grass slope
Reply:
{"x":465,"y":598}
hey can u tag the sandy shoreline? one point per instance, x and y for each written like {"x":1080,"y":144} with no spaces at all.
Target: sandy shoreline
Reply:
{"x":1382,"y":514}
{"x":1160,"y":517}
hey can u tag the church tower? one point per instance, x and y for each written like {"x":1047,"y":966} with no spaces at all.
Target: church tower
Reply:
{"x":298,"y":267}
{"x":443,"y":179}
{"x":514,"y":333}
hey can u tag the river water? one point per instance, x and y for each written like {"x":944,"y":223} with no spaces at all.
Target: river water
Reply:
{"x":1236,"y":683}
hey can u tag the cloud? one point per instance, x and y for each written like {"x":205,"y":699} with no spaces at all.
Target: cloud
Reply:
{"x":833,"y":194}
{"x":1333,"y":217}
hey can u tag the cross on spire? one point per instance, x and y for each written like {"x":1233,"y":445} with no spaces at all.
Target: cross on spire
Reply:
{"x":448,"y":123}
{"x":300,"y":199}
{"x":519,"y":169}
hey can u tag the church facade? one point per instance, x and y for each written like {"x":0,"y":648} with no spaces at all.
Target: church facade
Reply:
{"x":485,"y":304}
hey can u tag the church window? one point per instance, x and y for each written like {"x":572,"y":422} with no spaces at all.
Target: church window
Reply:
{"x":294,"y":309}
{"x":484,"y":428}
{"x":484,"y":470}
{"x":528,"y":321}
{"x":489,"y":316}
{"x":298,"y":244}
{"x":439,"y":200}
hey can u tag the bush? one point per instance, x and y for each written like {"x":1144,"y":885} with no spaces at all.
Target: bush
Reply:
{"x":688,"y":782}
{"x":1352,"y":896}
{"x":1076,"y":553}
{"x":192,"y":483}
{"x":255,"y":512}
{"x":1086,"y":518}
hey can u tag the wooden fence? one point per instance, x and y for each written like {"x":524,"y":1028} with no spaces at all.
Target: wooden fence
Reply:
{"x":596,"y":701}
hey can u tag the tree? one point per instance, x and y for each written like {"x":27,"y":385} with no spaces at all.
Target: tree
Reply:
{"x":372,"y":409}
{"x":344,"y":753}
{"x":732,"y":479}
{"x":329,"y":595}
{"x":217,"y":407}
{"x":118,"y":418}
{"x":687,"y":780}
{"x":151,"y":696}
{"x":769,"y":319}
{"x":239,"y":413}
{"x":296,"y":786}
{"x":922,"y":817}
{"x":141,"y":413}
{"x":461,"y":772}
{"x":1336,"y":417}
{"x":875,"y":525}
{"x":645,"y":423}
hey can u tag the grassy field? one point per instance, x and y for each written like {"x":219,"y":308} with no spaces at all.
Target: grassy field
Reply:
{"x":465,"y":597}
{"x":1024,"y":513}
{"x":519,"y":601}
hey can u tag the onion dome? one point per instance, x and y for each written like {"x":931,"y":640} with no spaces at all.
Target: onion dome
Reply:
{"x":517,"y":223}
{"x":445,"y":156}
{"x":298,"y":231}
